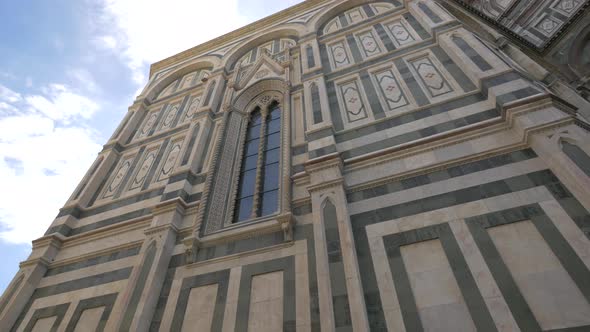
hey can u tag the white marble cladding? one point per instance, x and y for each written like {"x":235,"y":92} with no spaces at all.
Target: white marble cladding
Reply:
{"x":354,"y":107}
{"x":192,"y":107}
{"x":394,"y":94}
{"x":431,"y":77}
{"x":370,"y":43}
{"x":339,"y":54}
{"x":412,"y":65}
{"x":401,"y":33}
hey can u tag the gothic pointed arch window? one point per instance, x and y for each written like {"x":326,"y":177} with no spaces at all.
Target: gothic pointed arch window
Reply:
{"x":258,"y":188}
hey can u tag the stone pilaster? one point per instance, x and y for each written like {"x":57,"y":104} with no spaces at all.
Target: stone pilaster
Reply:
{"x":327,"y":185}
{"x":27,"y":279}
{"x":136,"y":305}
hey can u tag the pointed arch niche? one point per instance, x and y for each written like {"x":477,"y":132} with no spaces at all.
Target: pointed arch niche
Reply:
{"x":251,"y":183}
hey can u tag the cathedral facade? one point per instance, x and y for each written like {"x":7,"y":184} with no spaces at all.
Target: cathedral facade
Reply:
{"x":342,"y":165}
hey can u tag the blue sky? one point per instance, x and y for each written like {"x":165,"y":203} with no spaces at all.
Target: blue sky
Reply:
{"x":68,"y":71}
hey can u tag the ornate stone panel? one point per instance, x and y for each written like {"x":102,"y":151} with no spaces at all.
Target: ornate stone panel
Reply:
{"x":381,"y":7}
{"x":567,"y":7}
{"x":431,"y":77}
{"x":370,"y":46}
{"x":352,"y":102}
{"x":192,"y":108}
{"x":148,"y":125}
{"x":548,"y":25}
{"x":390,"y":89}
{"x":117,"y":179}
{"x":144,"y":168}
{"x":171,"y":160}
{"x":339,"y":54}
{"x":168,"y":90}
{"x":401,"y":33}
{"x":355,"y":15}
{"x":168,"y":120}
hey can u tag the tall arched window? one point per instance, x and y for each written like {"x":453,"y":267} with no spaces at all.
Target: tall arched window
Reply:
{"x":258,"y":189}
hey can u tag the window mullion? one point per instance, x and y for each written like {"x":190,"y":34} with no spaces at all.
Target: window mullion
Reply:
{"x":259,"y":164}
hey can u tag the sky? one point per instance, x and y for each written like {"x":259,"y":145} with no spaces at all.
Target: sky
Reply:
{"x":69,"y":69}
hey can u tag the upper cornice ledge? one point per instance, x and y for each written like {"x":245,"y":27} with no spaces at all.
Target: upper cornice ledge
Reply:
{"x":230,"y":36}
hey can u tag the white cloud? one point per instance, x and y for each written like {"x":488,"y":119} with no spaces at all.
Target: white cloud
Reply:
{"x":83,"y":79}
{"x":159,"y":29}
{"x":8,"y":95}
{"x":60,"y":103}
{"x":42,"y":158}
{"x":106,"y":42}
{"x":6,"y":108}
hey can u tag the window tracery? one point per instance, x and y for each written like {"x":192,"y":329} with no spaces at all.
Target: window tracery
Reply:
{"x":258,"y":189}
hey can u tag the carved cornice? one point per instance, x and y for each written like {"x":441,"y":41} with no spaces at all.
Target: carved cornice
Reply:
{"x":55,"y":240}
{"x":175,"y":205}
{"x":35,"y":261}
{"x":159,"y":229}
{"x":325,"y":185}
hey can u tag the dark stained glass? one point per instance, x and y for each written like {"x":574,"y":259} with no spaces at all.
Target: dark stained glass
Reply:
{"x":270,"y":202}
{"x":272,"y":156}
{"x":271,"y":177}
{"x":273,"y":141}
{"x":268,"y":192}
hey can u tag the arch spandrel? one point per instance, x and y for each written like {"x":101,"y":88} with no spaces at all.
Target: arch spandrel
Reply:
{"x":208,"y":62}
{"x":292,"y":31}
{"x":244,"y":98}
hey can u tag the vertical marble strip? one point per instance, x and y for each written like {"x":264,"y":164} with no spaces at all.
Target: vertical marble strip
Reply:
{"x":190,"y":147}
{"x":577,"y":155}
{"x":335,"y":112}
{"x":453,"y":69}
{"x":485,"y":281}
{"x":471,"y":53}
{"x":231,"y":305}
{"x":436,"y":291}
{"x":181,"y":111}
{"x":435,"y":18}
{"x":411,"y":82}
{"x":371,"y":94}
{"x":146,"y":164}
{"x":387,"y":41}
{"x":310,"y":57}
{"x":160,"y":113}
{"x":146,"y":266}
{"x":340,"y":302}
{"x":386,"y":288}
{"x":316,"y":105}
{"x":209,"y":94}
{"x":354,"y":49}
